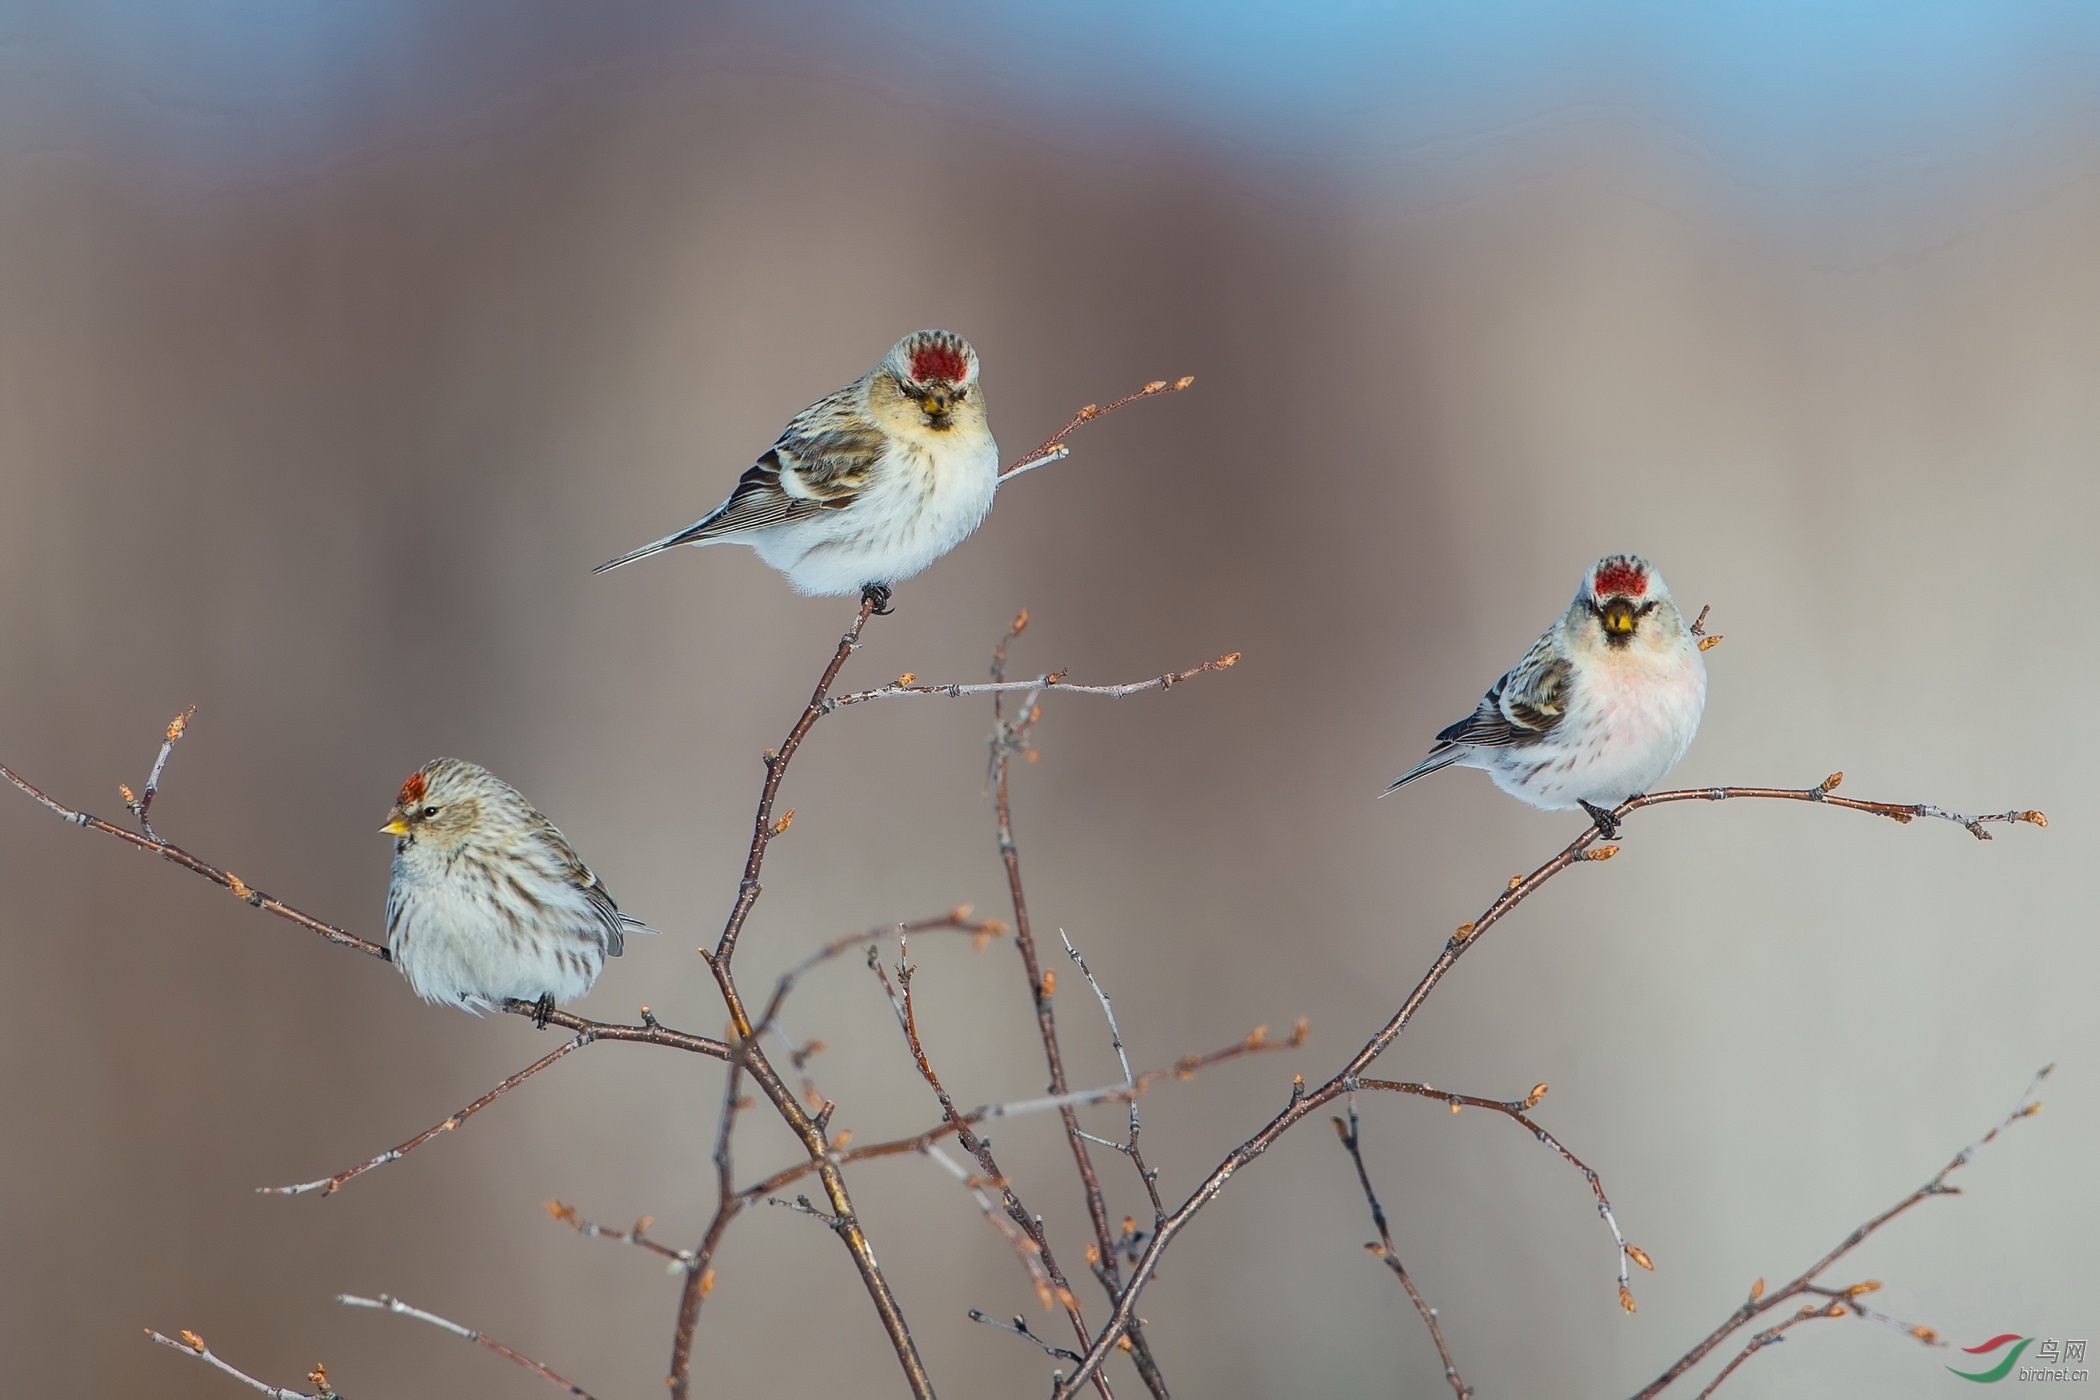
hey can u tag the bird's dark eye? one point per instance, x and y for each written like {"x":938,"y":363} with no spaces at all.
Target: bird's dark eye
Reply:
{"x":430,"y":811}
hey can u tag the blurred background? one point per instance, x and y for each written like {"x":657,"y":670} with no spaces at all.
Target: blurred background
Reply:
{"x":337,"y":342}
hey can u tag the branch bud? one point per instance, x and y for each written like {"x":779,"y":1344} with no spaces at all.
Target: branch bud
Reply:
{"x":1049,"y":981}
{"x":1020,"y":623}
{"x":1601,"y":853}
{"x":1184,"y":381}
{"x":1640,"y":1257}
{"x":707,"y":1283}
{"x":1626,"y":1298}
{"x":1757,"y":1290}
{"x":1157,"y":386}
{"x":1462,"y":933}
{"x":906,"y":679}
{"x":1709,"y":643}
{"x":1300,"y":1029}
{"x":785,"y":822}
{"x":193,"y":1342}
{"x":2036,"y":817}
{"x":1538,"y":1091}
{"x":1924,"y":1334}
{"x":1830,"y":784}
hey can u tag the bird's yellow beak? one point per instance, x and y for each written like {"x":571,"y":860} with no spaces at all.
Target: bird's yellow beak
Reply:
{"x":396,"y":827}
{"x":1619,"y":617}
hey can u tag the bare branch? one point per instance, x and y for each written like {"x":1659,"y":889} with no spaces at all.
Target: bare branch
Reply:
{"x":1052,"y":681}
{"x":142,"y":805}
{"x":1514,"y":1109}
{"x":1467,"y":936}
{"x":329,"y":1185}
{"x":681,"y":1260}
{"x":1008,"y":739}
{"x":386,"y":1302}
{"x":1352,"y":1139}
{"x":751,"y":1059}
{"x":193,"y":1345}
{"x":1052,"y":1286}
{"x":1759,"y":1302}
{"x":1019,"y":1327}
{"x":1052,"y":448}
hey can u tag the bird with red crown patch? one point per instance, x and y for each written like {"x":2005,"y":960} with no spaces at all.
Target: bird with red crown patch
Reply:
{"x":869,"y":485}
{"x":1598,"y":710}
{"x":489,"y":903}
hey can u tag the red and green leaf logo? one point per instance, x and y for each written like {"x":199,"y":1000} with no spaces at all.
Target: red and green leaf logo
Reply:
{"x":2003,"y":1368}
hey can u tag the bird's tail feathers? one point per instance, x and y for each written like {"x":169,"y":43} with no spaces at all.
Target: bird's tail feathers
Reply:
{"x":692,"y":534}
{"x":1442,"y":758}
{"x":630,"y":924}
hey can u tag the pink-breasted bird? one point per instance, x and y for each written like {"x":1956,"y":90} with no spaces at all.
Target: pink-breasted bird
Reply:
{"x":1598,"y":710}
{"x":868,"y":485}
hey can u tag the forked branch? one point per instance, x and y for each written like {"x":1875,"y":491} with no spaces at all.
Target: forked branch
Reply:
{"x":1841,"y":1301}
{"x":1577,"y":852}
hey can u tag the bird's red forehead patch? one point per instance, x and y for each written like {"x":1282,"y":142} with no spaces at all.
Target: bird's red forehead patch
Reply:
{"x":1621,"y":577}
{"x":937,"y":359}
{"x":411,"y":791}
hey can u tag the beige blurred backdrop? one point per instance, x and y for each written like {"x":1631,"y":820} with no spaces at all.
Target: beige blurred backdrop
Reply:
{"x":328,"y":453}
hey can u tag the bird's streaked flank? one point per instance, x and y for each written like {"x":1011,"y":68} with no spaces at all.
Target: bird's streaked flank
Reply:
{"x":868,"y":485}
{"x":1599,"y":709}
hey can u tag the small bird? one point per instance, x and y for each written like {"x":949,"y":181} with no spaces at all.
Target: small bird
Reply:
{"x":489,"y":903}
{"x":868,"y":485}
{"x":1598,"y":710}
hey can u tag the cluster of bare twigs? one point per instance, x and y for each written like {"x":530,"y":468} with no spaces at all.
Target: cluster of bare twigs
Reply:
{"x":1122,"y":1260}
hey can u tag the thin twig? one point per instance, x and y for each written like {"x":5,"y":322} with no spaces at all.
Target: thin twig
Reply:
{"x":1052,"y":681}
{"x":1033,"y":1242}
{"x":329,"y":1185}
{"x":142,"y":805}
{"x":1007,"y":740}
{"x":681,"y":1260}
{"x":1760,"y":1302}
{"x":1514,"y":1109}
{"x":193,"y":1345}
{"x":1052,"y":448}
{"x":1352,"y":1139}
{"x":751,"y":1058}
{"x":1019,"y":1327}
{"x":1577,"y":852}
{"x":386,"y":1302}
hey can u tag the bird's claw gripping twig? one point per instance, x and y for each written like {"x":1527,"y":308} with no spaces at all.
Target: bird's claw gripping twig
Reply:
{"x":879,"y":595}
{"x":542,"y":1009}
{"x":1607,"y":824}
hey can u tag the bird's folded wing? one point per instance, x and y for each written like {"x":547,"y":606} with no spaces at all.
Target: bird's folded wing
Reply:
{"x":1522,"y":707}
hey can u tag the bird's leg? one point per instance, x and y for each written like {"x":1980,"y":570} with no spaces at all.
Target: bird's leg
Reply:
{"x":542,"y":1009}
{"x":1607,"y":824}
{"x":879,"y":595}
